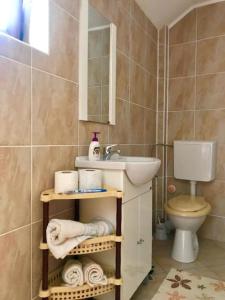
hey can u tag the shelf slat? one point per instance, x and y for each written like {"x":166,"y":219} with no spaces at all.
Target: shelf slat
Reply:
{"x":50,"y":195}
{"x":57,"y":290}
{"x":94,"y":245}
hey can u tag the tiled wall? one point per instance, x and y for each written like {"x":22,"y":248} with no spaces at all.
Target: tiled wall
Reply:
{"x":196,"y":107}
{"x":40,"y":132}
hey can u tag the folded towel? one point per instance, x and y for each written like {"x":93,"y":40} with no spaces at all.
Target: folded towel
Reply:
{"x":64,"y":235}
{"x":72,"y":273}
{"x":93,"y":273}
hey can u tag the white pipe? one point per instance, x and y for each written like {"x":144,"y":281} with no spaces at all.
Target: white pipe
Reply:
{"x":193,"y":187}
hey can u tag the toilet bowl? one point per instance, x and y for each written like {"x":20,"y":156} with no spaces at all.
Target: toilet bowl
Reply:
{"x":187,"y":213}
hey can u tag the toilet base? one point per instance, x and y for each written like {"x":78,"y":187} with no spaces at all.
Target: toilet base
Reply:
{"x":185,"y":247}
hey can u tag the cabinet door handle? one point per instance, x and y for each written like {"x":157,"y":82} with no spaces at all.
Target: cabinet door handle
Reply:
{"x":142,"y":241}
{"x":139,"y":242}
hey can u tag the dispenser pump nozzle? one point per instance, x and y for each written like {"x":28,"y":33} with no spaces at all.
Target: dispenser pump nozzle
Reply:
{"x":95,"y":137}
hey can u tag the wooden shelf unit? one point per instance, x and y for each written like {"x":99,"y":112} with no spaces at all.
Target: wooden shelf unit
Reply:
{"x":50,"y":286}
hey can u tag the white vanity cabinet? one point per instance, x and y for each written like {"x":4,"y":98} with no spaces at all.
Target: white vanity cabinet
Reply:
{"x":136,"y":252}
{"x":137,"y":243}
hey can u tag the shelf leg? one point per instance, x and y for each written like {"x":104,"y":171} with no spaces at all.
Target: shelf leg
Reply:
{"x":118,"y":246}
{"x":77,"y":210}
{"x":45,"y":252}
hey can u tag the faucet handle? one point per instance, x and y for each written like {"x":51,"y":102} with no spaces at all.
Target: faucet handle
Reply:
{"x":109,"y":148}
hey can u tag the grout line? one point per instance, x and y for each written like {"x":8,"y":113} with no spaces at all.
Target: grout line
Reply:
{"x":143,"y":29}
{"x":195,"y":91}
{"x":31,"y":169}
{"x":53,"y":216}
{"x":54,"y":75}
{"x":15,"y":61}
{"x":65,"y":11}
{"x":136,"y":63}
{"x":14,"y":230}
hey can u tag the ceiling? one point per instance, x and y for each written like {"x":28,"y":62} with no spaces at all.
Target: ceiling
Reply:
{"x":163,"y":12}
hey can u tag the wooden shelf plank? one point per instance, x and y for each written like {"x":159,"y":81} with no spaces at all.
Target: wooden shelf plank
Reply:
{"x":50,"y":195}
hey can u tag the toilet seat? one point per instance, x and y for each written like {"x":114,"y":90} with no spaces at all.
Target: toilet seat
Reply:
{"x":188,"y":206}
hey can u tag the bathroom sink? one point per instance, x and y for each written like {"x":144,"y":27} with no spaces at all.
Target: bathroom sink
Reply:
{"x":139,"y":170}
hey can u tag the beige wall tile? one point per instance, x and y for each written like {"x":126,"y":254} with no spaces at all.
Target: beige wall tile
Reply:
{"x":94,"y":100}
{"x":137,"y":43}
{"x":211,"y":55}
{"x":150,"y":91}
{"x":185,"y":30}
{"x":211,"y":20}
{"x":161,"y":117}
{"x":182,"y":60}
{"x":72,"y":7}
{"x":136,"y":124}
{"x":220,"y":165}
{"x":15,"y":261}
{"x":14,"y":49}
{"x":139,"y":15}
{"x":182,"y":187}
{"x":150,"y":55}
{"x":213,"y":228}
{"x":86,"y":129}
{"x":162,"y":60}
{"x":122,"y":76}
{"x":14,"y":177}
{"x":137,"y":150}
{"x":161,"y":94}
{"x":137,"y":85}
{"x":119,"y":134}
{"x":150,"y":124}
{"x":125,"y":5}
{"x":182,"y":94}
{"x":54,"y":110}
{"x":94,"y":71}
{"x":63,"y":46}
{"x":15,"y":81}
{"x":214,"y":193}
{"x":210,"y":91}
{"x":47,"y":160}
{"x":123,"y":30}
{"x":210,"y":125}
{"x":180,"y":126}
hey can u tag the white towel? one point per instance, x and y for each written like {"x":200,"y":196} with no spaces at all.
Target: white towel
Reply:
{"x":93,"y":273}
{"x":64,"y":235}
{"x":72,"y":273}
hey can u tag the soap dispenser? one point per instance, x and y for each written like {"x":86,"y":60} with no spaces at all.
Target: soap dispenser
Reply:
{"x":94,"y":148}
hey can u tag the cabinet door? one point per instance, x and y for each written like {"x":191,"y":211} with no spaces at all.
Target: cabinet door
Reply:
{"x":145,"y":235}
{"x":129,"y":248}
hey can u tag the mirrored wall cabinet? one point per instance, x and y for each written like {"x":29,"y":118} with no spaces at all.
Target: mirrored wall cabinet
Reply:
{"x":97,"y":66}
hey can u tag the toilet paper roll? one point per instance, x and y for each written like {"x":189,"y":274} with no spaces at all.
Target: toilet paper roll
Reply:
{"x":90,"y":179}
{"x":66,"y":181}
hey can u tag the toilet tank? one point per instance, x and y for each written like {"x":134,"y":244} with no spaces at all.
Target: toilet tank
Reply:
{"x":195,"y":160}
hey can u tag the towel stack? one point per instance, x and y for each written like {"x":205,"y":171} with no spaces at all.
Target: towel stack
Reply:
{"x":64,"y":235}
{"x":76,"y":273}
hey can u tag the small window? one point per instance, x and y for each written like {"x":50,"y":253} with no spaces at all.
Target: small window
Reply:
{"x":27,"y":21}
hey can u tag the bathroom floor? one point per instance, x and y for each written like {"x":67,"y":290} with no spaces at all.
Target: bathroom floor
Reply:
{"x":210,"y":263}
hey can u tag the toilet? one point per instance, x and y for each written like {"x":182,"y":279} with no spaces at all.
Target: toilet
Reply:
{"x":194,"y":161}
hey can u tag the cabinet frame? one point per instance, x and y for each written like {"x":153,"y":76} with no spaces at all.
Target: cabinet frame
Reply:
{"x":46,"y":198}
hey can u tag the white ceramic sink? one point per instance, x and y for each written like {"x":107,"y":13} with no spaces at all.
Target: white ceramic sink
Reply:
{"x":139,"y":170}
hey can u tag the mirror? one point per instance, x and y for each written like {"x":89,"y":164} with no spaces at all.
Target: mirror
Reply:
{"x":97,"y":66}
{"x":26,"y":21}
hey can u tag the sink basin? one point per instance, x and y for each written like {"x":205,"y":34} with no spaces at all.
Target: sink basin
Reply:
{"x":139,"y":170}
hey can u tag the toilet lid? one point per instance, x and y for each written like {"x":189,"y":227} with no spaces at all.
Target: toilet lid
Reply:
{"x":187,"y":203}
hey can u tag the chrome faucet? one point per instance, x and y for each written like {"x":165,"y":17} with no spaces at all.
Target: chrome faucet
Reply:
{"x":108,"y":151}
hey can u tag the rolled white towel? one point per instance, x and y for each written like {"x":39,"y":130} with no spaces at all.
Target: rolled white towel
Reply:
{"x":64,"y":235}
{"x":72,"y":273}
{"x":93,"y":273}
